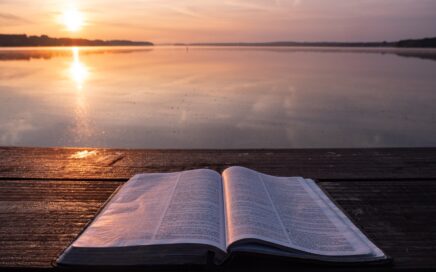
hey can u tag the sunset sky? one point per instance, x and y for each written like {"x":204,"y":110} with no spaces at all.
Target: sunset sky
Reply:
{"x":164,"y":21}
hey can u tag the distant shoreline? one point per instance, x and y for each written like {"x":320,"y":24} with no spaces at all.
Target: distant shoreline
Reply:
{"x":419,"y":43}
{"x":22,"y":40}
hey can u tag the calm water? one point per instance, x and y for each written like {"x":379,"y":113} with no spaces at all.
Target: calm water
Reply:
{"x":166,"y":97}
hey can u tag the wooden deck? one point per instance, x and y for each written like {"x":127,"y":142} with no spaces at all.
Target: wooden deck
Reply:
{"x":47,"y":195}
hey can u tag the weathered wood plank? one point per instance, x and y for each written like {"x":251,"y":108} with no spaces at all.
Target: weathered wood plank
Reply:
{"x":48,"y":195}
{"x":38,"y":219}
{"x":398,"y":215}
{"x":73,"y":163}
{"x":33,"y":239}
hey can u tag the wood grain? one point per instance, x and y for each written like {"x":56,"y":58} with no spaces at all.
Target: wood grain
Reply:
{"x":64,"y":163}
{"x":38,"y":219}
{"x":48,"y":195}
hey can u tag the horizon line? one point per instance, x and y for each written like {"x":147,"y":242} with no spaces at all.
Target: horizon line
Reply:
{"x":233,"y":42}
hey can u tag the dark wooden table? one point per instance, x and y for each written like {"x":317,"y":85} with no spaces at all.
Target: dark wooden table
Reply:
{"x":47,"y":195}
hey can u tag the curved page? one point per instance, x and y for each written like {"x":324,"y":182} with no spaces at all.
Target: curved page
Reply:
{"x":155,"y":209}
{"x":286,"y":212}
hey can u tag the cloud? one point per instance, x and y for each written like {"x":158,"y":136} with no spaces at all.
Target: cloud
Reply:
{"x":11,"y":18}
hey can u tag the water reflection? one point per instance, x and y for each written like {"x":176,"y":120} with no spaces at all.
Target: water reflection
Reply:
{"x":168,"y":97}
{"x":79,"y":72}
{"x":27,"y":54}
{"x":82,"y":130}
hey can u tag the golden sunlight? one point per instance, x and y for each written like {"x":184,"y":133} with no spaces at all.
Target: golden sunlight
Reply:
{"x":78,"y":70}
{"x":83,"y":154}
{"x":73,"y":20}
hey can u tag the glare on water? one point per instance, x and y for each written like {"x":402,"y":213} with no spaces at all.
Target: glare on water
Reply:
{"x":214,"y":97}
{"x":78,"y":70}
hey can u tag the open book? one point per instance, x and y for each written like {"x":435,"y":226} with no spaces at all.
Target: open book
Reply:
{"x":197,"y":216}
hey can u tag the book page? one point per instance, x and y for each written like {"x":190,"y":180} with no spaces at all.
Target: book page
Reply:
{"x":151,"y":209}
{"x":195,"y":212}
{"x":249,"y":210}
{"x":311,"y":225}
{"x":287,"y":212}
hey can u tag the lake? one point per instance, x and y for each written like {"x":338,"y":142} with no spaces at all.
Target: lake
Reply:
{"x":217,"y":97}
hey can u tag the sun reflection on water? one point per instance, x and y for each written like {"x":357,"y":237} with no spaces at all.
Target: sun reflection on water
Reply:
{"x":79,"y":72}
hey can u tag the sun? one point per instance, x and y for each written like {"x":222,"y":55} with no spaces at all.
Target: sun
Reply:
{"x":73,"y":20}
